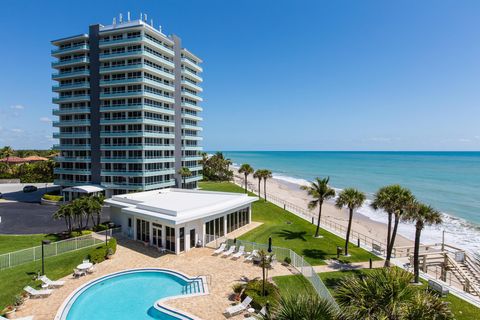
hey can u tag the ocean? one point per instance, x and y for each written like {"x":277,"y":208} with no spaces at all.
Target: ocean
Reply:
{"x":448,"y":181}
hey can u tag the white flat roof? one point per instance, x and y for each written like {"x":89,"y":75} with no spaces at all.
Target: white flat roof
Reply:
{"x":180,"y":205}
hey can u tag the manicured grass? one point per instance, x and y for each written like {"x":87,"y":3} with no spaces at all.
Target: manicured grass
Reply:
{"x":290,"y":231}
{"x":460,"y":308}
{"x":13,"y":280}
{"x":9,"y":243}
{"x":293,"y":284}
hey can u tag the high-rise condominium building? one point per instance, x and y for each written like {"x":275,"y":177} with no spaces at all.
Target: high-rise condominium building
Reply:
{"x":128,"y":107}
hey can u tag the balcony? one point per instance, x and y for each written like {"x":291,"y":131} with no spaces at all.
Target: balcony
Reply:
{"x":58,"y":135}
{"x":145,"y":134}
{"x":69,"y":183}
{"x":145,"y":173}
{"x":192,"y":75}
{"x":161,"y":73}
{"x":136,"y":66}
{"x":192,"y":148}
{"x":192,"y":106}
{"x":194,"y":178}
{"x":72,"y":86}
{"x":138,"y":160}
{"x":158,"y":46}
{"x":157,"y":122}
{"x":192,"y":158}
{"x":64,"y":63}
{"x":139,"y":93}
{"x":191,"y":137}
{"x":138,"y":147}
{"x":192,"y":85}
{"x":159,"y":59}
{"x":71,"y":74}
{"x":109,"y":56}
{"x":71,"y":146}
{"x":158,"y":185}
{"x":190,"y":116}
{"x":62,"y":111}
{"x":138,"y":186}
{"x":191,"y":127}
{"x":195,"y":168}
{"x":71,"y":123}
{"x":109,"y":43}
{"x":80,"y":97}
{"x":60,"y":51}
{"x":73,"y":159}
{"x":71,"y":171}
{"x":137,"y":107}
{"x":191,"y":96}
{"x":189,"y":62}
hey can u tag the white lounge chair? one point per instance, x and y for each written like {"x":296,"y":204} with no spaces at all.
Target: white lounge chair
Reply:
{"x":22,"y":318}
{"x":252,"y":255}
{"x":260,"y":315}
{"x":238,"y":308}
{"x":86,"y":261}
{"x":229,"y":251}
{"x":220,"y":249}
{"x":91,"y":269}
{"x":34,"y":293}
{"x":51,"y":283}
{"x":240,"y":252}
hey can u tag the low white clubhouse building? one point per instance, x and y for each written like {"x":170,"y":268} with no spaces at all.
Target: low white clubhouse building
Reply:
{"x":178,"y":219}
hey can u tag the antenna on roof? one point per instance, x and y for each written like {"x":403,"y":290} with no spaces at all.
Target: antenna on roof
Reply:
{"x":128,"y":15}
{"x":114,"y":20}
{"x":151,"y":22}
{"x":141,"y":16}
{"x":145,"y":16}
{"x":160,"y":28}
{"x":120,"y":18}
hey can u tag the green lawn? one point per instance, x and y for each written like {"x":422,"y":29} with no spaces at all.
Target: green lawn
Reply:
{"x":9,"y":243}
{"x":13,"y":280}
{"x":289,"y":231}
{"x":460,"y":308}
{"x":293,"y":284}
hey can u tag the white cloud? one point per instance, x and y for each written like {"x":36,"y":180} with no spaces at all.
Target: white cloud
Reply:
{"x":17,"y":107}
{"x":17,"y":130}
{"x":464,"y":140}
{"x":45,"y":119}
{"x":380,"y":139}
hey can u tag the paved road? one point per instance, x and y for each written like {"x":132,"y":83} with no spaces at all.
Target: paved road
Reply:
{"x":14,"y":191}
{"x":29,"y":218}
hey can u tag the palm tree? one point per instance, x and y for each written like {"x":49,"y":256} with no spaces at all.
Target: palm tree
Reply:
{"x":265,"y":263}
{"x":422,"y":215}
{"x":246,"y":169}
{"x":319,"y":191}
{"x":184,"y":172}
{"x":97,"y":207}
{"x":65,"y":212}
{"x":258,"y":175}
{"x":393,"y":199}
{"x":385,"y":293}
{"x":266,"y":174}
{"x":308,"y":306}
{"x":352,"y":199}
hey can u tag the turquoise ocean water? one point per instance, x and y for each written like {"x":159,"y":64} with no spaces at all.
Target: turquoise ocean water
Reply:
{"x":449,"y":181}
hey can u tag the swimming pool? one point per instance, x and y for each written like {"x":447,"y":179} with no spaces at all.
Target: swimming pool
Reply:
{"x":132,"y":294}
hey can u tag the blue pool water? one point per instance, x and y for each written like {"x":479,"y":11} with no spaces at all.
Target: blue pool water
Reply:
{"x":449,"y":181}
{"x":129,"y":295}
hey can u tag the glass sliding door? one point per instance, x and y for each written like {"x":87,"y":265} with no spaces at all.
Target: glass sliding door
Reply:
{"x":170,"y":239}
{"x":143,"y":230}
{"x":192,"y":238}
{"x":182,"y":239}
{"x":157,"y":235}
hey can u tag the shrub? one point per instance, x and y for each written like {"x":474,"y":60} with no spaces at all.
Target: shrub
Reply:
{"x":254,"y":290}
{"x":100,"y":227}
{"x":287,"y":260}
{"x":99,"y":254}
{"x":112,"y":244}
{"x":52,"y":197}
{"x":80,"y":233}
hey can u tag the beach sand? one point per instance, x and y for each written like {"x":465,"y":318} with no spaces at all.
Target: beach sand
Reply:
{"x":291,"y":193}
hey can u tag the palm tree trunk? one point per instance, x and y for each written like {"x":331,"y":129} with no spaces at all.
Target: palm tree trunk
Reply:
{"x":66,"y":222}
{"x":263,"y":281}
{"x":347,"y":238}
{"x":392,"y":241}
{"x":245,"y":183}
{"x":98,"y":217}
{"x":319,"y":218}
{"x":265,"y":189}
{"x":389,"y":235}
{"x":416,"y":252}
{"x":259,"y":194}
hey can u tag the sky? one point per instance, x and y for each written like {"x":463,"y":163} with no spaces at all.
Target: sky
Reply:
{"x":279,"y":75}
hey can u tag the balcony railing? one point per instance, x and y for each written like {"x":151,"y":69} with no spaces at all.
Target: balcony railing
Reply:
{"x":70,"y":74}
{"x":71,"y":146}
{"x":137,"y":160}
{"x":64,"y":123}
{"x":62,"y":111}
{"x":79,"y":97}
{"x":63,"y":63}
{"x":70,"y":49}
{"x":137,"y":107}
{"x":71,"y":86}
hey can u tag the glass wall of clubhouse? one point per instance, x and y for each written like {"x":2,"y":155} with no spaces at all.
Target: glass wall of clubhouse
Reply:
{"x":182,"y":237}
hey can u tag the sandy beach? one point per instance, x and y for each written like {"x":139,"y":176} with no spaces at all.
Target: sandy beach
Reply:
{"x":291,"y":193}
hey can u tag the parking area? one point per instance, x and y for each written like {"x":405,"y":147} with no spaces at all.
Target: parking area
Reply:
{"x":22,"y":213}
{"x":14,"y":191}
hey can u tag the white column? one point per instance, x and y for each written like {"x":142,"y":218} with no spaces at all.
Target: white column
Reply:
{"x":250,"y":214}
{"x":203,"y":233}
{"x":164,"y":236}
{"x":177,"y":240}
{"x":225,"y":225}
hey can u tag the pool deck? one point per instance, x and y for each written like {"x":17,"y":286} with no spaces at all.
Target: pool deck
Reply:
{"x":223,"y":272}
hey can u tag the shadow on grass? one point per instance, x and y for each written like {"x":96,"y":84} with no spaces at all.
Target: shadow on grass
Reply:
{"x":291,"y":235}
{"x":315,"y":254}
{"x":335,"y":281}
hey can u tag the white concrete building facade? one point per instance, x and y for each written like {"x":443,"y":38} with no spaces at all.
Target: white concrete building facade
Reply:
{"x":177,"y":220}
